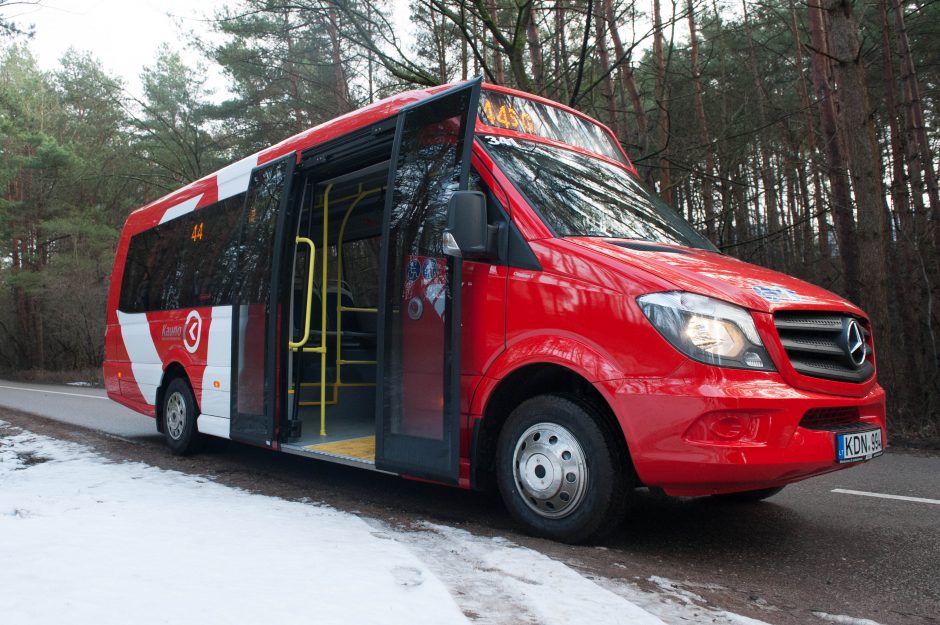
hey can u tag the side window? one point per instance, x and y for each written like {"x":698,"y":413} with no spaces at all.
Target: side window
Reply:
{"x":187,"y":262}
{"x":257,"y":237}
{"x":513,"y":249}
{"x":139,"y":272}
{"x":495,"y":211}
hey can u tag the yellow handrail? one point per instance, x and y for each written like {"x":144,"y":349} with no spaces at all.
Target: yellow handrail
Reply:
{"x":340,"y":309}
{"x":321,"y":349}
{"x":323,"y":291}
{"x":313,"y":259}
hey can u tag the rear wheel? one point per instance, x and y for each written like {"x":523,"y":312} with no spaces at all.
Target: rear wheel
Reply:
{"x":748,"y":496}
{"x":179,"y":419}
{"x":560,"y":476}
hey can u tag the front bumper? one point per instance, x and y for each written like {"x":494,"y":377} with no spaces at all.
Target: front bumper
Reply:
{"x":662,"y":421}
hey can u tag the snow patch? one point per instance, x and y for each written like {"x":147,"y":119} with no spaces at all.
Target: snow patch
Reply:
{"x":841,"y":619}
{"x":675,"y":604}
{"x":500,"y":577}
{"x":85,"y":540}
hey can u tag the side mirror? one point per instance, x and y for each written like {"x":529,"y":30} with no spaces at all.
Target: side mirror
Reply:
{"x":468,"y":235}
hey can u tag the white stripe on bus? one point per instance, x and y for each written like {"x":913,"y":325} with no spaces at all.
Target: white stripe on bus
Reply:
{"x":186,"y":206}
{"x":234,"y":178}
{"x":217,"y":400}
{"x":145,"y":361}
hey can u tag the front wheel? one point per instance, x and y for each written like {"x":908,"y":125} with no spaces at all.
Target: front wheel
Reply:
{"x":179,"y":419}
{"x":560,"y":476}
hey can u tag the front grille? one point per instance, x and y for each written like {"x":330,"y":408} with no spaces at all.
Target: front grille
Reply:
{"x":841,"y":419}
{"x":815,"y":344}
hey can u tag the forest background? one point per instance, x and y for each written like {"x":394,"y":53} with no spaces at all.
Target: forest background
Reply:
{"x":799,"y":135}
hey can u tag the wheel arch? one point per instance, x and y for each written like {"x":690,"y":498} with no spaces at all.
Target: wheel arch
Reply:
{"x":523,"y":383}
{"x":172,"y":371}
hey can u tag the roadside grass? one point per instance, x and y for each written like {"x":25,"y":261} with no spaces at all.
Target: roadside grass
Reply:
{"x":93,"y":377}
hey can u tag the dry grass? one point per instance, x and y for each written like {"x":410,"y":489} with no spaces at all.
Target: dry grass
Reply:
{"x":43,"y":376}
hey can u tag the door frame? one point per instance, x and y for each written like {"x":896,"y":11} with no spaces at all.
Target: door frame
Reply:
{"x":396,"y":453}
{"x":275,"y":358}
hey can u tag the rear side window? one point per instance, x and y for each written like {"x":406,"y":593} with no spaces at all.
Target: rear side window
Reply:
{"x":187,"y":262}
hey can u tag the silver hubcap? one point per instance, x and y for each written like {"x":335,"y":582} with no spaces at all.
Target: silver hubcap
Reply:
{"x":175,"y":415}
{"x":549,"y":468}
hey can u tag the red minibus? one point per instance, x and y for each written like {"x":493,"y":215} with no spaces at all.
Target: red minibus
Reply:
{"x":469,"y":285}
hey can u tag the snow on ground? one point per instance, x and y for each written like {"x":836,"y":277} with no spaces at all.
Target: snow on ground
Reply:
{"x":88,"y":541}
{"x":495,"y":571}
{"x":85,"y":540}
{"x":841,"y":619}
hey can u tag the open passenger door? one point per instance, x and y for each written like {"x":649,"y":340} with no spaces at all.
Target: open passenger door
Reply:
{"x":257,"y":356}
{"x":418,"y":398}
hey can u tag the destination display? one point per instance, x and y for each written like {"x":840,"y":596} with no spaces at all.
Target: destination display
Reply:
{"x":529,"y":117}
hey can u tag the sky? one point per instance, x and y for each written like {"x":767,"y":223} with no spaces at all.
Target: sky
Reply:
{"x":126,"y":34}
{"x":123,"y":34}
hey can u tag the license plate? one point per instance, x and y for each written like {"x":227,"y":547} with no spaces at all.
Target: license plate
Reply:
{"x":857,"y":446}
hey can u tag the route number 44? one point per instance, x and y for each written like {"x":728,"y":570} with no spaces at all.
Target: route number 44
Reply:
{"x":197,"y":232}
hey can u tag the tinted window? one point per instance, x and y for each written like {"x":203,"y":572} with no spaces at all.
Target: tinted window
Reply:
{"x":582,"y":196}
{"x":257,"y":239}
{"x":187,"y":262}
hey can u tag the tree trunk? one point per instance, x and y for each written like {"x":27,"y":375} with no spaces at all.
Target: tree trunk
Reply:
{"x":840,"y":199}
{"x":535,"y":51}
{"x":812,"y":147}
{"x":707,"y":200}
{"x":665,"y":183}
{"x":499,"y":75}
{"x":607,"y":85}
{"x":339,"y":73}
{"x":855,"y":116}
{"x":627,"y":80}
{"x":561,"y":90}
{"x":915,"y":115}
{"x":766,"y":169}
{"x":464,"y":46}
{"x":742,"y":227}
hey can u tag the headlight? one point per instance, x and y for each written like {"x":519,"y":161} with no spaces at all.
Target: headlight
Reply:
{"x":707,"y":329}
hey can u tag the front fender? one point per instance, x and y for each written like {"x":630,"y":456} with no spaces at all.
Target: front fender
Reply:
{"x":589,"y":361}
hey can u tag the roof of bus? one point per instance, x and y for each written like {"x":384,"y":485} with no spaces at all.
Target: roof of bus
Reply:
{"x":206,"y":190}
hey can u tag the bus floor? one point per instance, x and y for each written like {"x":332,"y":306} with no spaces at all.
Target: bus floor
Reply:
{"x":350,"y":428}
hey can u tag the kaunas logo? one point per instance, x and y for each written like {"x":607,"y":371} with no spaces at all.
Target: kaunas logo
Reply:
{"x":192,"y":331}
{"x":171,"y":332}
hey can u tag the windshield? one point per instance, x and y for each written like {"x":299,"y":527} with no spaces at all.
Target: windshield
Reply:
{"x":582,"y":196}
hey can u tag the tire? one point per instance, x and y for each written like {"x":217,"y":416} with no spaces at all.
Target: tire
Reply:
{"x":179,"y":419}
{"x":560,"y":476}
{"x":748,"y":496}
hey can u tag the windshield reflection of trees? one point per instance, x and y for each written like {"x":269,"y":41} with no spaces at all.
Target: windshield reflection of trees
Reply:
{"x":583,"y":196}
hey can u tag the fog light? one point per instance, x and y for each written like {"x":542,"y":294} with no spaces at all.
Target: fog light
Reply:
{"x":729,"y":427}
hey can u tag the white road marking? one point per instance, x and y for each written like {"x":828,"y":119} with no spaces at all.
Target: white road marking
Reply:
{"x":863,"y":493}
{"x":39,"y":390}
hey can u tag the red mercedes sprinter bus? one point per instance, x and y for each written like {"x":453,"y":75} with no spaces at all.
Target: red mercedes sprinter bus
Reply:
{"x":468,"y":284}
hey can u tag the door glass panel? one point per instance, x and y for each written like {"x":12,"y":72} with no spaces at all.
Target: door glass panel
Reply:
{"x":256,"y":252}
{"x":418,"y":399}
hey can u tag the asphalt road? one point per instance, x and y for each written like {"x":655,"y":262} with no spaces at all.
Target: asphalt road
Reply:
{"x":869,"y":554}
{"x":76,"y":405}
